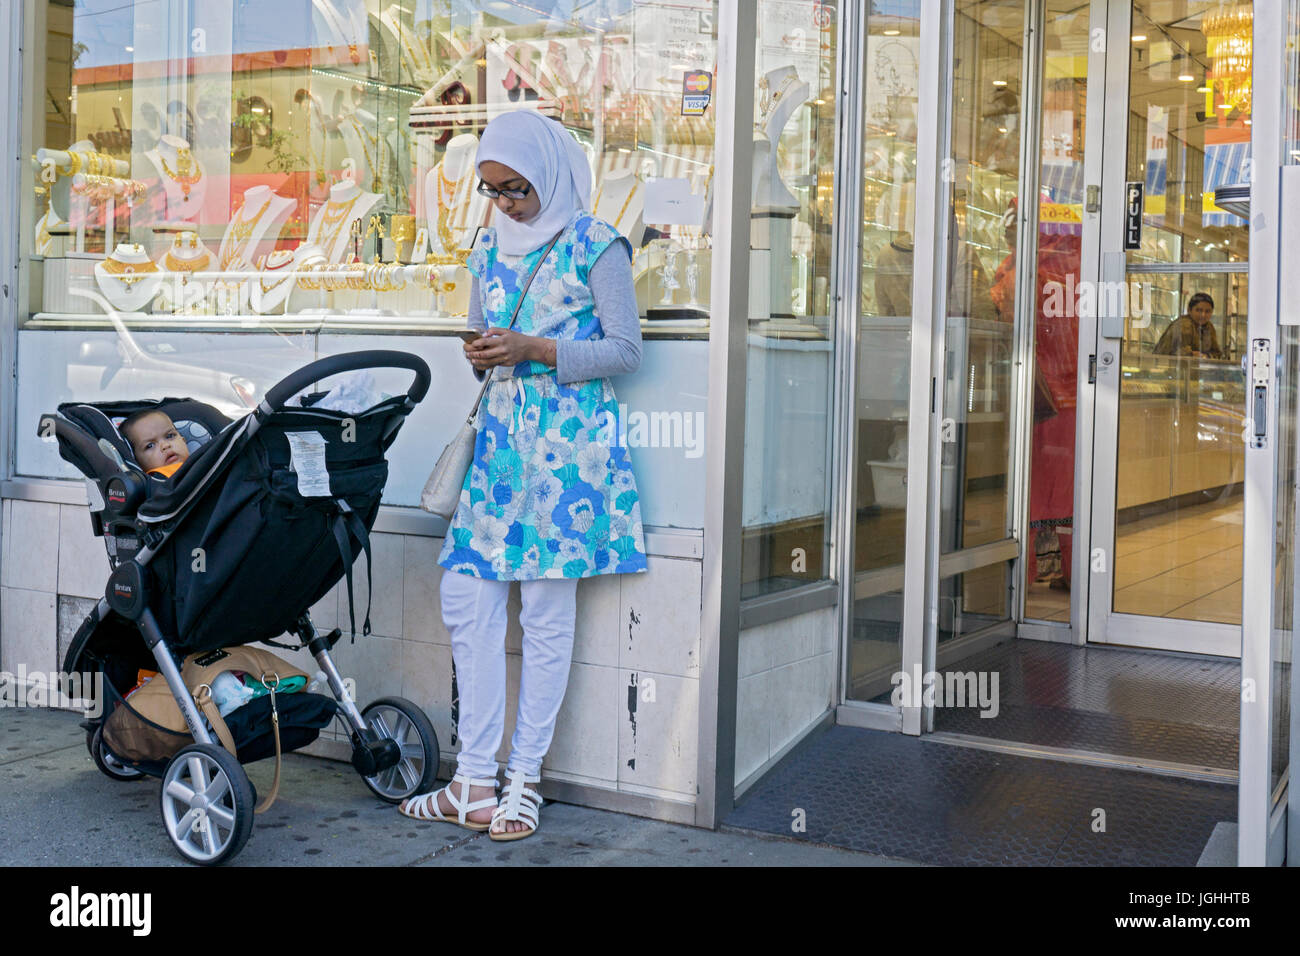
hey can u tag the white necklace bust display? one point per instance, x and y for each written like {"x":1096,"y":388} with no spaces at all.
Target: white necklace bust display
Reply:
{"x":183,"y":182}
{"x":453,"y":206}
{"x":782,"y":93}
{"x":253,"y":229}
{"x":128,"y":278}
{"x":331,"y":228}
{"x":620,"y":201}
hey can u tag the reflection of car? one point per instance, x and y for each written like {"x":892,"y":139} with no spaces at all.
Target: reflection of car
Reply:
{"x":130,"y":368}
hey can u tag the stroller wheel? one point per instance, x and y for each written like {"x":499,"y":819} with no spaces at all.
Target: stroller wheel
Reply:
{"x":207,"y":804}
{"x":108,"y":764}
{"x":398,"y":719}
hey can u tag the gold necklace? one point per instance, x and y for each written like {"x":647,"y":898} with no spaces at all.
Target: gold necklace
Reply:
{"x":186,"y":265}
{"x":376,"y":184}
{"x":447,"y":190}
{"x":129,"y":273}
{"x":626,"y":202}
{"x":186,"y":173}
{"x":240,"y":230}
{"x":332,"y":220}
{"x":266,"y":290}
{"x":410,"y":46}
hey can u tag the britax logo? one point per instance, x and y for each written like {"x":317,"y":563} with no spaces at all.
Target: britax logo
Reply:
{"x":74,"y":909}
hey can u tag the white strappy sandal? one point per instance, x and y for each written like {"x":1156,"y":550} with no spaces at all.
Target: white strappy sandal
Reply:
{"x":518,"y":804}
{"x":425,"y":806}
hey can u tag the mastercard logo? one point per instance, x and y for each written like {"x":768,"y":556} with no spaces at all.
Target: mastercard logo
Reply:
{"x":698,"y":82}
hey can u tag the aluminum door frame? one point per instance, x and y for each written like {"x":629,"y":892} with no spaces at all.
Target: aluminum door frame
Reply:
{"x":1261,"y":822}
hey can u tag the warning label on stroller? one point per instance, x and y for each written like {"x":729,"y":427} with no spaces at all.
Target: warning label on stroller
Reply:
{"x":307,"y":459}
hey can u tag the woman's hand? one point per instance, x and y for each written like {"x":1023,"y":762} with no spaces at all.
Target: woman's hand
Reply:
{"x":503,"y":347}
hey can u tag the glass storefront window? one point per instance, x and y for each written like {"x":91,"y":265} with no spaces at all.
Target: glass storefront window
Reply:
{"x":788,"y":479}
{"x":219,"y":193}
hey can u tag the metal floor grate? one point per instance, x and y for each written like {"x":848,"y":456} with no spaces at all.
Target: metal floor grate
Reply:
{"x":1107,"y":700}
{"x":907,"y":798}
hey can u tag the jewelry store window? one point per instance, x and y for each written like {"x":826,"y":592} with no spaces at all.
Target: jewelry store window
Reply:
{"x":788,"y":475}
{"x":218,"y":193}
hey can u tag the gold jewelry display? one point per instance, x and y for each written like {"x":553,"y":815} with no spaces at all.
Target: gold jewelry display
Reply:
{"x":401,"y":231}
{"x":447,"y":190}
{"x":129,"y":273}
{"x":333,"y":220}
{"x":186,"y":265}
{"x":374,"y":162}
{"x":186,"y":173}
{"x":411,"y":45}
{"x":768,"y":102}
{"x":74,"y":164}
{"x":240,"y":230}
{"x":267,"y":268}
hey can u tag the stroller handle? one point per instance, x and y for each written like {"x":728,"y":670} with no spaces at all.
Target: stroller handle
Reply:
{"x":347,"y":362}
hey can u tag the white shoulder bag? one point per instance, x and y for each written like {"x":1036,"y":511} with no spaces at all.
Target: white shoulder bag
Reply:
{"x":442,"y":491}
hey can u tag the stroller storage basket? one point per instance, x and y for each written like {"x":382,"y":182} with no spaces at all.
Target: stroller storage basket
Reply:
{"x":136,"y":739}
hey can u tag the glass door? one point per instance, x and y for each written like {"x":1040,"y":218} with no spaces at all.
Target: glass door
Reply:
{"x":1169,"y":453}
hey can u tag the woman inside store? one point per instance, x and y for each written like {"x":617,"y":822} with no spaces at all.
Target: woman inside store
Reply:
{"x":1193,"y":333}
{"x":550,"y":496}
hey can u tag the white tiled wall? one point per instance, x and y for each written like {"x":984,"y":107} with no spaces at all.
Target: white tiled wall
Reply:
{"x":639,"y":631}
{"x":787,"y":681}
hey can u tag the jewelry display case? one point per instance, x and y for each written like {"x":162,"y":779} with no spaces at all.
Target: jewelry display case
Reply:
{"x":343,"y":134}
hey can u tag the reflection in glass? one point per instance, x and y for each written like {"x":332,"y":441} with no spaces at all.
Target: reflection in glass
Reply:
{"x":1049,"y":547}
{"x":983,"y":218}
{"x":1178,"y":497}
{"x":787,"y":479}
{"x":884,"y":347}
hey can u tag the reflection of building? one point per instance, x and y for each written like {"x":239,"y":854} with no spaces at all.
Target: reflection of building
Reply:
{"x":837,"y":488}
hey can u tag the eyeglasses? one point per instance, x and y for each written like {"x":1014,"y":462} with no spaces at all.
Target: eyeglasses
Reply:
{"x":485,"y":190}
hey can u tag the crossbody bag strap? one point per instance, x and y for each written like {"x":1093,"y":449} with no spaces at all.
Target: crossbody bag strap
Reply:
{"x":487,"y":378}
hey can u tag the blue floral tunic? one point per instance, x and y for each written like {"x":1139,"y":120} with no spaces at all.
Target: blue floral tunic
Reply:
{"x":550,"y":493}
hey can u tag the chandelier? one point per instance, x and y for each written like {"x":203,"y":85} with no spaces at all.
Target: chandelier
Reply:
{"x":1227,"y":30}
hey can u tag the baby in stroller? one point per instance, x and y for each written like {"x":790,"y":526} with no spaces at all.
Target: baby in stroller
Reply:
{"x":222,"y":534}
{"x":158,"y":446}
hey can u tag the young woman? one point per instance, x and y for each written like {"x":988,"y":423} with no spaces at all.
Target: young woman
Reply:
{"x":550,"y":497}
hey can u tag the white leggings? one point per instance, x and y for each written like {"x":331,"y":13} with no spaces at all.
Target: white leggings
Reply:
{"x":474,"y":611}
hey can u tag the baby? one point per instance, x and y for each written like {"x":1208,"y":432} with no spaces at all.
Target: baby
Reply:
{"x":158,"y":447}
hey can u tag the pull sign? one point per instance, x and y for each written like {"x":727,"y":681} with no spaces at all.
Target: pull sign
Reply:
{"x":1261,"y":374}
{"x":1133,"y":215}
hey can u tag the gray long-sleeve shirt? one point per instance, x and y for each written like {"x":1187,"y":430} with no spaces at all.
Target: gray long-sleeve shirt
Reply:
{"x":614,"y":302}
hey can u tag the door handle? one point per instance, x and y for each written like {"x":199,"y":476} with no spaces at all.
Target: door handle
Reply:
{"x":1261,"y":376}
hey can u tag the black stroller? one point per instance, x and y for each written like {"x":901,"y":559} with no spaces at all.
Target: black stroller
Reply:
{"x":229,"y":552}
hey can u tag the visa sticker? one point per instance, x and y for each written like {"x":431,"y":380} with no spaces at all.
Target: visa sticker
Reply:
{"x":697,"y":90}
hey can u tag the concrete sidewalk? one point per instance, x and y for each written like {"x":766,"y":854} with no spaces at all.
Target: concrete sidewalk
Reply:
{"x":59,"y":810}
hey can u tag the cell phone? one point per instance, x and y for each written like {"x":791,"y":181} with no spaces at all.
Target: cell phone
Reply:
{"x":469,"y":335}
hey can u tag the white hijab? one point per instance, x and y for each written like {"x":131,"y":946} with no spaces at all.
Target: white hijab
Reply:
{"x":546,"y":154}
